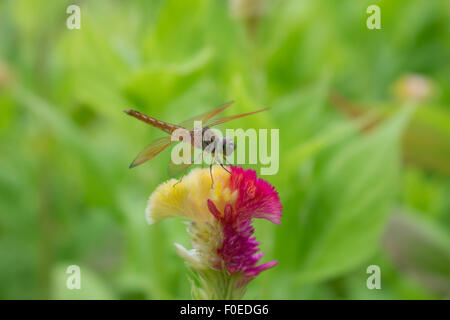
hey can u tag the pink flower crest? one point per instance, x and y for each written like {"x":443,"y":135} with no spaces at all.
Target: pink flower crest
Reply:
{"x":256,"y":198}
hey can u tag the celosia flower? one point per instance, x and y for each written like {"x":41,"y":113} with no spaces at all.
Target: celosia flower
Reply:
{"x":225,"y":255}
{"x":413,"y":87}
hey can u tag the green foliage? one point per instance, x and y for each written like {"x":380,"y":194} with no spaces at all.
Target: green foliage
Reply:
{"x":346,"y":210}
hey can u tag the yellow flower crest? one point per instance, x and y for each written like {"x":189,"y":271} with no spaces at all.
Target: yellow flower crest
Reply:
{"x":187,"y":198}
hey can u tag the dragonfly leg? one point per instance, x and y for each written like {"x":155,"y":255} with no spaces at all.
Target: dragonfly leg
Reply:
{"x":184,"y":172}
{"x":225,"y":168}
{"x":178,"y":181}
{"x":185,"y":169}
{"x":225,"y":161}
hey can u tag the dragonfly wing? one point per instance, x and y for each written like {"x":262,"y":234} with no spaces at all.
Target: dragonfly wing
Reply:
{"x":217,"y":121}
{"x":204,"y":117}
{"x":176,"y":170}
{"x":152,"y":150}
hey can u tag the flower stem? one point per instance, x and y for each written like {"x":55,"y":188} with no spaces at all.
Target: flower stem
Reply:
{"x":228,"y":287}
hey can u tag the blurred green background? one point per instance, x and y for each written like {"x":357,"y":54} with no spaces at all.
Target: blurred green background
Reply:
{"x":364,"y":119}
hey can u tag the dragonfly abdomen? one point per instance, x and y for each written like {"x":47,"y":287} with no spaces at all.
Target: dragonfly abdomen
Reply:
{"x":166,"y":127}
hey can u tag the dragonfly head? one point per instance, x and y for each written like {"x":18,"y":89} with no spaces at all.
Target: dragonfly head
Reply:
{"x":228,"y":145}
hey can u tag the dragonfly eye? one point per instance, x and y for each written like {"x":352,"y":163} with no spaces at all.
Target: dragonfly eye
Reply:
{"x":228,"y":146}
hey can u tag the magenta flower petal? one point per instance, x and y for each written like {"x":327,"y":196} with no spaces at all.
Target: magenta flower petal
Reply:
{"x":257,"y":270}
{"x":256,"y":199}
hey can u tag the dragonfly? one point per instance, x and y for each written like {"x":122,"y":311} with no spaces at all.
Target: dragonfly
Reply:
{"x":208,"y":120}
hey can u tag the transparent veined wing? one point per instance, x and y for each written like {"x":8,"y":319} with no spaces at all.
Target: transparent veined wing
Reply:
{"x":204,"y":117}
{"x":175,"y":170}
{"x":217,"y":121}
{"x":152,"y":150}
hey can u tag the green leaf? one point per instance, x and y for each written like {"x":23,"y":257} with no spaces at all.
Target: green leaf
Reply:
{"x":347,"y":208}
{"x":420,"y":248}
{"x":159,"y":83}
